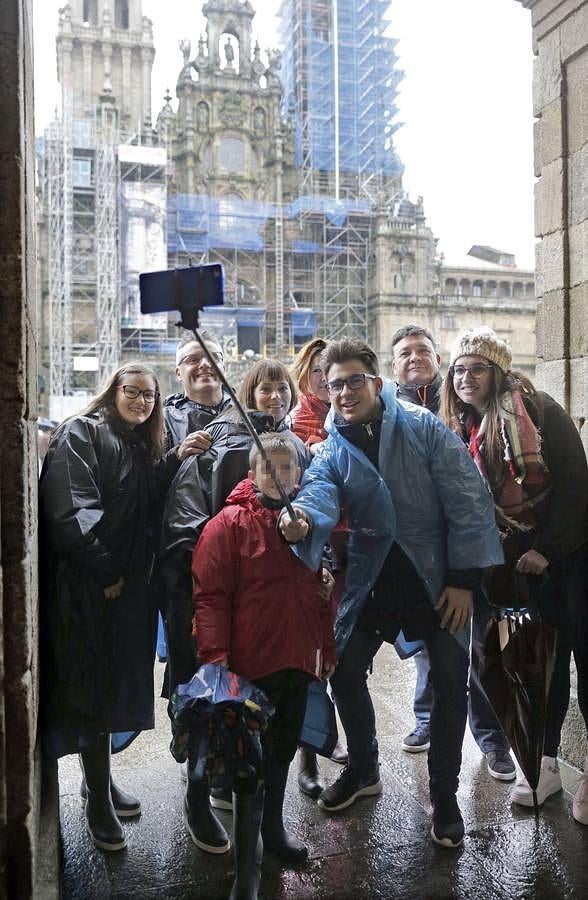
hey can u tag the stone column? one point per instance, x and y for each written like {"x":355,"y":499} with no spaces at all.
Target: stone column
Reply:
{"x":125,"y":100}
{"x":147,"y":59}
{"x":19,"y":768}
{"x":560,"y":43}
{"x":87,"y":51}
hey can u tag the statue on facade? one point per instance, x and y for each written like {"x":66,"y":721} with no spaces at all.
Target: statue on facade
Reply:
{"x":186,"y":49}
{"x":202,"y":117}
{"x":259,"y":120}
{"x":229,"y":53}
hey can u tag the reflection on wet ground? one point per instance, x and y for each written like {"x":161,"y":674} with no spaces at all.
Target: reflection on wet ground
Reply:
{"x":378,"y":848}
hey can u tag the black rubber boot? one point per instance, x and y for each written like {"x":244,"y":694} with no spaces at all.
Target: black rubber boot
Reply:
{"x":310,"y":781}
{"x":205,"y":829}
{"x":275,"y":838}
{"x":125,"y":805}
{"x":101,"y":820}
{"x":248,"y":852}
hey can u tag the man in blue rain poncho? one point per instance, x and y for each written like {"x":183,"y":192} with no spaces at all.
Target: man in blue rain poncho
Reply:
{"x":421,"y":530}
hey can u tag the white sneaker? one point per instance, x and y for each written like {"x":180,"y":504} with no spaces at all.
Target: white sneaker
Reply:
{"x":580,"y":804}
{"x":549,"y":783}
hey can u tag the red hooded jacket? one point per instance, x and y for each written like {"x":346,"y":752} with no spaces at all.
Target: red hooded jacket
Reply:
{"x":255,"y":602}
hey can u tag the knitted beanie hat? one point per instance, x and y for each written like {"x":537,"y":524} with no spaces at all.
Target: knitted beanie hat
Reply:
{"x":484,"y":342}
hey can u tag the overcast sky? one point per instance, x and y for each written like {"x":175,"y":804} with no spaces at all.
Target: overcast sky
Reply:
{"x":465,"y":105}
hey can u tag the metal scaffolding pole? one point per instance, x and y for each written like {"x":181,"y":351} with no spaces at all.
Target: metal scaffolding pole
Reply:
{"x":107,"y":256}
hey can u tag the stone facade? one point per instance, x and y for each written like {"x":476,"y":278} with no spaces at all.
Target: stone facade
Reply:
{"x":20,"y":772}
{"x":560,"y":42}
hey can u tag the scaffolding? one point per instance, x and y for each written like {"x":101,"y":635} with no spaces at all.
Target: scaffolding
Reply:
{"x":108,"y":318}
{"x":340,"y":78}
{"x":58,"y":186}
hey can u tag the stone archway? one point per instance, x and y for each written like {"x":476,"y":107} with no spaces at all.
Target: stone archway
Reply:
{"x":560,"y":34}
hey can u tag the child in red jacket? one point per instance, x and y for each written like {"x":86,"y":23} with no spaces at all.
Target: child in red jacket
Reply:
{"x":263,"y":613}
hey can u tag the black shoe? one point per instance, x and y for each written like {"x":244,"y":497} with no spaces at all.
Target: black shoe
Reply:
{"x":500,"y":765}
{"x":221,"y":798}
{"x":125,"y":805}
{"x":310,"y":781}
{"x":205,"y":829}
{"x":348,"y":787}
{"x":275,"y":837}
{"x":340,"y":755}
{"x":418,"y":740}
{"x":447,"y":829}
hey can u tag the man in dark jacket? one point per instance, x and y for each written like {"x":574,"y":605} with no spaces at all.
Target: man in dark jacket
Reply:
{"x":188,"y":412}
{"x":415,"y":365}
{"x":186,"y":415}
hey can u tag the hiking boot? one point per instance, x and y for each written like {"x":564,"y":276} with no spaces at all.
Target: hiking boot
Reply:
{"x":418,"y":740}
{"x":310,"y":781}
{"x":447,"y":829}
{"x":221,"y":798}
{"x":549,"y":783}
{"x":500,"y":765}
{"x":580,"y":804}
{"x":347,"y":788}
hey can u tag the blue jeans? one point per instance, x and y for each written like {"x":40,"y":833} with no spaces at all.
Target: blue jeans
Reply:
{"x":161,"y":641}
{"x":483,"y":723}
{"x":449,"y":673}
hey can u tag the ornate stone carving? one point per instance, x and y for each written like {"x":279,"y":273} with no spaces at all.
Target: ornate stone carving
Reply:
{"x":231,"y":112}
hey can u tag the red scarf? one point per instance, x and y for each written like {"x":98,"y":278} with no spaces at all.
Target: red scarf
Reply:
{"x":524,"y":483}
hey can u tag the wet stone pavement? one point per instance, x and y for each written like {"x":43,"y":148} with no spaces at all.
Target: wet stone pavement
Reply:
{"x":378,"y":848}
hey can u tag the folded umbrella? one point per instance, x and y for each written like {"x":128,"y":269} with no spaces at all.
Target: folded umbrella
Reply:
{"x":516,"y":670}
{"x":217,"y":719}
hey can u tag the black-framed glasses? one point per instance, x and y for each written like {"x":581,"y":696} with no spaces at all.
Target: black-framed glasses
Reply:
{"x":354,"y":382}
{"x":195,"y":358}
{"x":476,"y":371}
{"x":131,"y":393}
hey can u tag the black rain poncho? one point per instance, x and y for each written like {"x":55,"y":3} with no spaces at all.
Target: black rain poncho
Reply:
{"x":97,"y":492}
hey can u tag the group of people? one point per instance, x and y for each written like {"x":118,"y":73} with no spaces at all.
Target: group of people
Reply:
{"x":405,"y":493}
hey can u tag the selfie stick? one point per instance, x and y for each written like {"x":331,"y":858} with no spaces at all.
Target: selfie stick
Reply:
{"x":189,"y":321}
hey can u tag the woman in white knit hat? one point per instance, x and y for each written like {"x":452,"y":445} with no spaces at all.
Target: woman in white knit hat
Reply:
{"x":530,"y":454}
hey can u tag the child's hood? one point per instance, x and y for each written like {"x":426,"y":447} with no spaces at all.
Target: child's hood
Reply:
{"x":243,"y":494}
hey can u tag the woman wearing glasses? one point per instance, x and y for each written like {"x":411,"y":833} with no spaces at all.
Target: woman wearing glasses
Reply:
{"x":101,"y":478}
{"x":531,"y":456}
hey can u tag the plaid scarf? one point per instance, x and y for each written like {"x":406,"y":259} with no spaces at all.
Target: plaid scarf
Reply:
{"x":524,"y":483}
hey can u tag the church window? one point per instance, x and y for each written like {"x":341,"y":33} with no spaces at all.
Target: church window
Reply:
{"x":90,"y":12}
{"x":121,"y":14}
{"x":232,"y":154}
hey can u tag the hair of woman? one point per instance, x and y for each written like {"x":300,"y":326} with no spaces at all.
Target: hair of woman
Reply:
{"x":302,"y":362}
{"x":152,"y":431}
{"x":452,"y":408}
{"x":265,"y":370}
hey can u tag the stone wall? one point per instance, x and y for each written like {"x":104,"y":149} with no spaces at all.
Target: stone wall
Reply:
{"x":560,"y":42}
{"x":19,"y":780}
{"x":560,"y":104}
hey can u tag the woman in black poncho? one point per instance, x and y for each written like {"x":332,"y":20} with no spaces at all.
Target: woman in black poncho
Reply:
{"x":100,"y":485}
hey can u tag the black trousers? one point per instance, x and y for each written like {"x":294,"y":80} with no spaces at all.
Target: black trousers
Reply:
{"x":286,"y":691}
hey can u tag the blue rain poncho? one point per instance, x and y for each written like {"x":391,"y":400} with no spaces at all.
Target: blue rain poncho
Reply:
{"x":427,"y":496}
